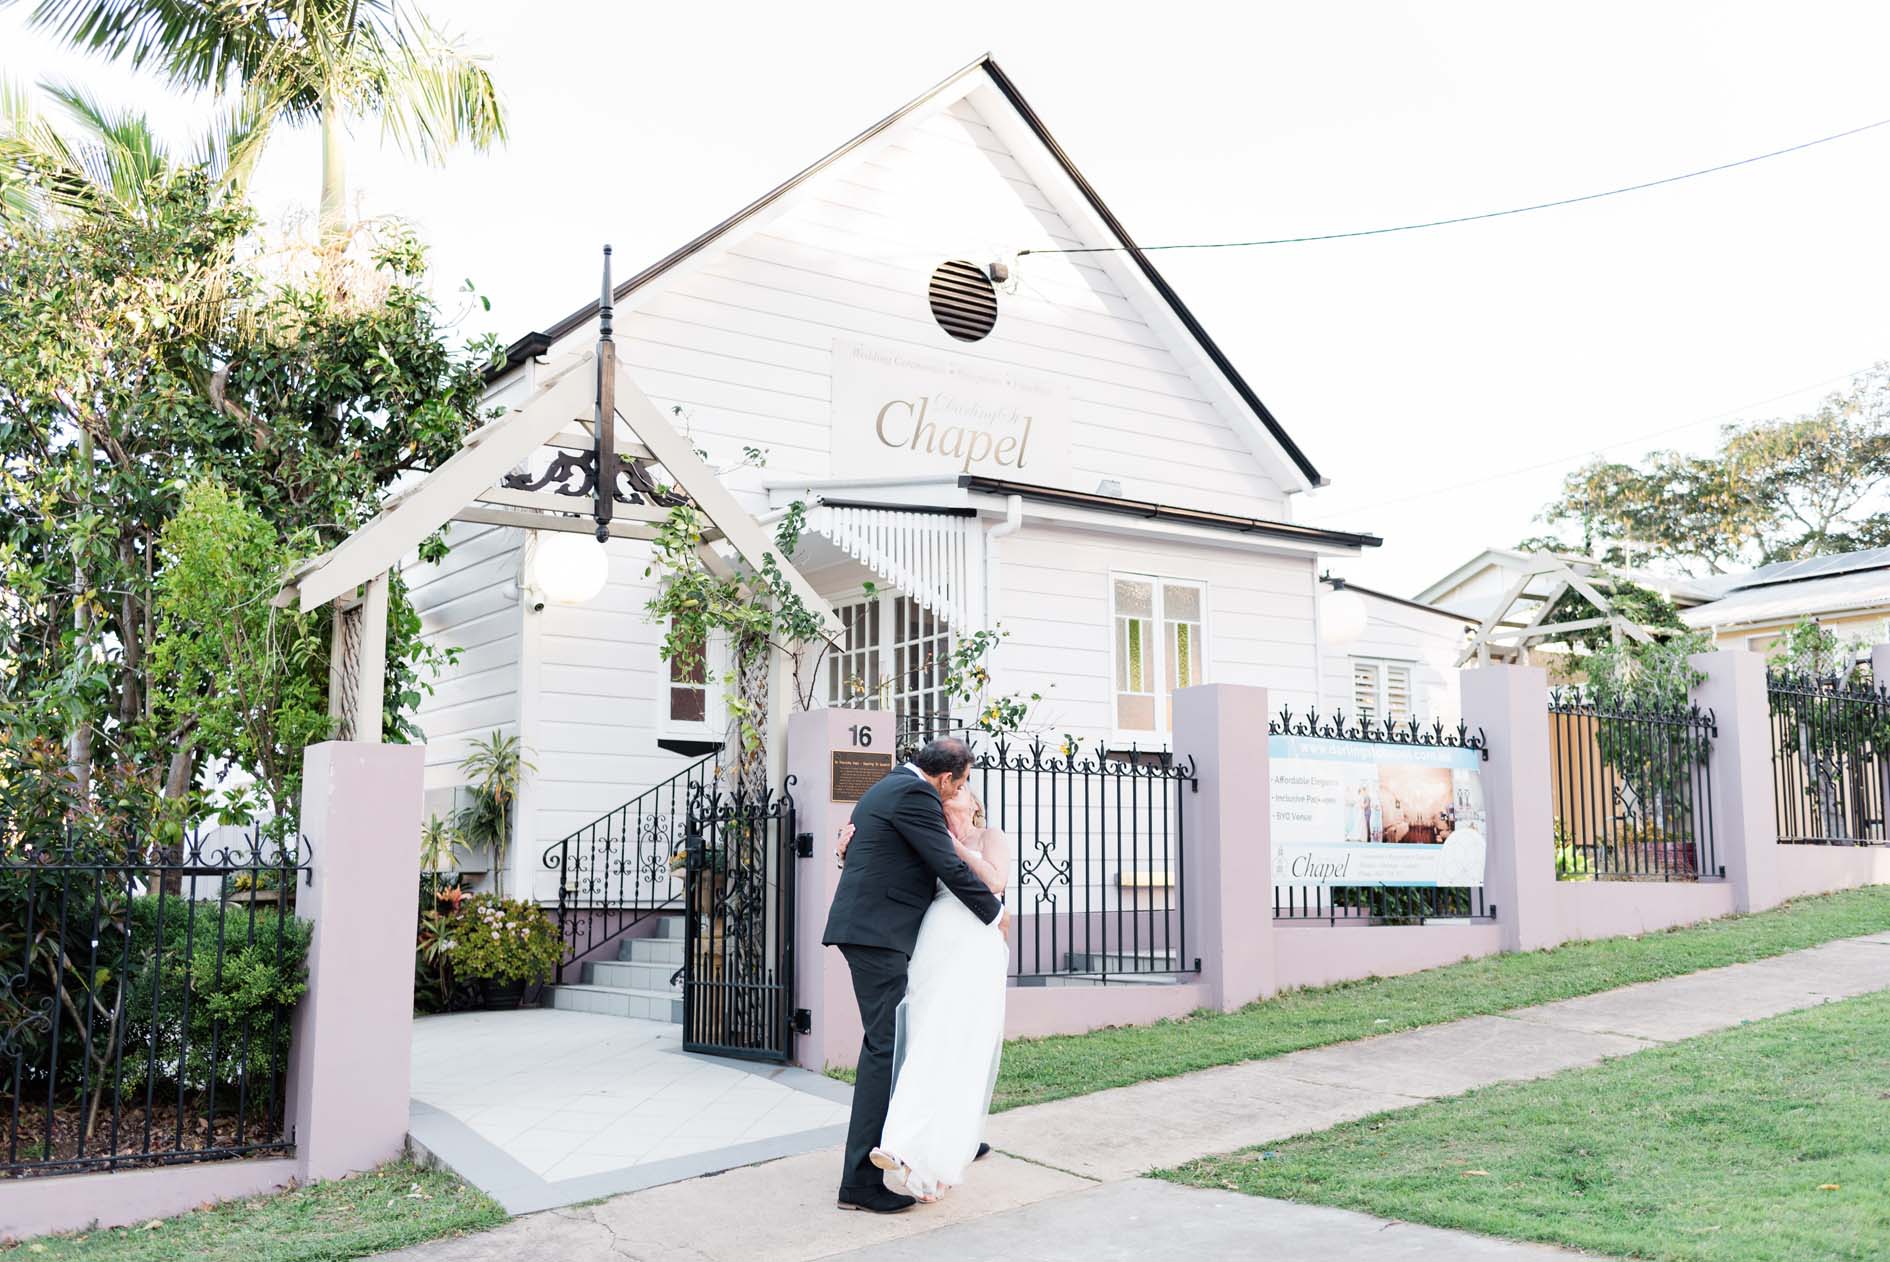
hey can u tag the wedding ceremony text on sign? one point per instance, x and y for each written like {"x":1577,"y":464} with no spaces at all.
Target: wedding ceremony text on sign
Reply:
{"x":903,"y":412}
{"x":1363,"y":813}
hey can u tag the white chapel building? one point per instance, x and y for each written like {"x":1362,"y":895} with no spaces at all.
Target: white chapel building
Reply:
{"x":1051,"y":446}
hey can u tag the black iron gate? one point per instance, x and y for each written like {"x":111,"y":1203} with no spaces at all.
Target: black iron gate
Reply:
{"x":738,"y":943}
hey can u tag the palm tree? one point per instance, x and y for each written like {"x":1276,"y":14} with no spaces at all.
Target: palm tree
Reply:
{"x":495,"y":768}
{"x":103,"y":161}
{"x":301,"y":61}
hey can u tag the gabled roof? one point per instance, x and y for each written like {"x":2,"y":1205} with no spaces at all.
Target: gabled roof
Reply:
{"x":538,"y":342}
{"x":1681,"y":590}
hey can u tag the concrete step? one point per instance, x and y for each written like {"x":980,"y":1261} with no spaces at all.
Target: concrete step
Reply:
{"x":652,"y":951}
{"x":669,"y":927}
{"x":616,"y":1001}
{"x":632,"y":975}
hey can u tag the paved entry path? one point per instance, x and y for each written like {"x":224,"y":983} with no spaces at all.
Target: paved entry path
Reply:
{"x":1064,"y":1183}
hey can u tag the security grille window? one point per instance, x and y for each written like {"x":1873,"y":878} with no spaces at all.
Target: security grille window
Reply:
{"x":895,"y":658}
{"x":1159,"y":647}
{"x":1381,"y":690}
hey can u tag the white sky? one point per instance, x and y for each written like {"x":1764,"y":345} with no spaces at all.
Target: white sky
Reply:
{"x":1444,"y":380}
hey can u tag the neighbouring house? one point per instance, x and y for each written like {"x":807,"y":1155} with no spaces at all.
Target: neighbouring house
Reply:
{"x":1499,"y":577}
{"x":1045,"y":444}
{"x":1403,"y":665}
{"x":1848,"y":594}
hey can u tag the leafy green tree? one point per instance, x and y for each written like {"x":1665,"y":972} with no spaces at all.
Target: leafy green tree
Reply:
{"x":144,"y":346}
{"x":1643,"y":697}
{"x":247,"y":680}
{"x":330,"y":62}
{"x":1774,"y":490}
{"x":1829,"y":727}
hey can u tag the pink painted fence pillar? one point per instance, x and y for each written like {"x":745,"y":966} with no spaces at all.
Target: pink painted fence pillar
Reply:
{"x":1227,"y":872}
{"x":1745,"y":815}
{"x":349,"y":1078}
{"x":822,"y":985}
{"x":1511,"y":705}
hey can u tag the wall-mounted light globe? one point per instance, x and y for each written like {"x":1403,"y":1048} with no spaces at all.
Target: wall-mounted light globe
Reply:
{"x":1342,"y":617}
{"x":569,"y":568}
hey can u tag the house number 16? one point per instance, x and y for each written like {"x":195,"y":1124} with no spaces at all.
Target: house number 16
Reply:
{"x":862,"y":736}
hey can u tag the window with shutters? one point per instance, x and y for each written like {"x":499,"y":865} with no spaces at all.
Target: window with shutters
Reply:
{"x":895,"y":658}
{"x":1381,"y":689}
{"x":1158,"y":647}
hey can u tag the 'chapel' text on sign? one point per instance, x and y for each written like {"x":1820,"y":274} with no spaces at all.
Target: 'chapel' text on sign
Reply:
{"x":903,"y":412}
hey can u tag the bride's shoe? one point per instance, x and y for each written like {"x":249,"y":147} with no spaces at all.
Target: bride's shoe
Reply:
{"x":900,"y":1171}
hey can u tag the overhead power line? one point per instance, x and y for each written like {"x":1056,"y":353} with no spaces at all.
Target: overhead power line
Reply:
{"x":1456,"y":219}
{"x":1364,"y":509}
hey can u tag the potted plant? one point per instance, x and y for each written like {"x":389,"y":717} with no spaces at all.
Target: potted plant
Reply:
{"x":506,"y":947}
{"x":254,"y":885}
{"x":494,"y":770}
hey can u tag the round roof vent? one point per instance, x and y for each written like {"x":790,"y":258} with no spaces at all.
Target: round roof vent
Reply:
{"x":964,"y":302}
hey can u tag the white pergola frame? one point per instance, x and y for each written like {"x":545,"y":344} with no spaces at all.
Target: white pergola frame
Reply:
{"x":1565,"y":574}
{"x":353,"y":575}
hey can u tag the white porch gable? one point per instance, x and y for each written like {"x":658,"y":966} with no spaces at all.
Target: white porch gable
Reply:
{"x":469,"y":487}
{"x":931,"y":555}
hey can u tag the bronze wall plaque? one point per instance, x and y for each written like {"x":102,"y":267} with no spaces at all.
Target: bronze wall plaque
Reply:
{"x":854,"y":773}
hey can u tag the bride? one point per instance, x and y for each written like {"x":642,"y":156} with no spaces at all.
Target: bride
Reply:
{"x":946,"y":1059}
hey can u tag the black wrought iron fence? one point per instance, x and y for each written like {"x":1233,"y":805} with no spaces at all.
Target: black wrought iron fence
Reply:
{"x":1097,"y":884}
{"x":1632,"y":788}
{"x":624,"y":866}
{"x":146,"y":993}
{"x":1829,"y":740}
{"x":738,"y":939}
{"x":1459,"y":807}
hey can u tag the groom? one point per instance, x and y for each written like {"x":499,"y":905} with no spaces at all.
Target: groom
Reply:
{"x":899,"y":848}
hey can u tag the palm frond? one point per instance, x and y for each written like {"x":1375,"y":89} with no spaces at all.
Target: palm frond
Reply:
{"x":434,"y":95}
{"x":229,"y":150}
{"x":193,"y":43}
{"x":41,"y":172}
{"x":121,"y":154}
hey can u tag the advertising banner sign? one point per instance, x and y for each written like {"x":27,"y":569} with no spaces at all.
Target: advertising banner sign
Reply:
{"x":1363,"y":813}
{"x":904,"y":412}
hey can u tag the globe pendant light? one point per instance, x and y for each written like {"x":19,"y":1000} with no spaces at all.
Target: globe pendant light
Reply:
{"x":569,"y":568}
{"x":1342,"y":615}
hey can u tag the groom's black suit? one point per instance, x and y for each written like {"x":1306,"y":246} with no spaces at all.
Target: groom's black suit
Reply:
{"x":899,"y":848}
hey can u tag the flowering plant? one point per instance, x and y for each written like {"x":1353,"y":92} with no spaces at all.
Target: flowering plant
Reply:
{"x":501,"y":940}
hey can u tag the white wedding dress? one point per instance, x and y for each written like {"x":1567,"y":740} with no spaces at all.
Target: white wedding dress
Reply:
{"x":950,"y":1038}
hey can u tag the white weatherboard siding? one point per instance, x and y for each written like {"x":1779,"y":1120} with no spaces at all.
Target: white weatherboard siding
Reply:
{"x":742,"y":340}
{"x":1054,"y":600}
{"x":470,"y":602}
{"x":1394,"y":633}
{"x":736,"y":343}
{"x":596,"y":704}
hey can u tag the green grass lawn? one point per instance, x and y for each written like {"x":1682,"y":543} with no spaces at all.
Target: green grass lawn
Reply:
{"x":389,"y":1208}
{"x":1035,"y":1070}
{"x":1765,"y":1143}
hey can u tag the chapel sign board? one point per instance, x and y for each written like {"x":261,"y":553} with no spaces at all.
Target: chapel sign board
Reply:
{"x":914,"y":413}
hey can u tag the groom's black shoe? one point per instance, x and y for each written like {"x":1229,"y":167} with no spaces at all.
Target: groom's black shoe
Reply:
{"x":874,"y":1200}
{"x":984,"y":1150}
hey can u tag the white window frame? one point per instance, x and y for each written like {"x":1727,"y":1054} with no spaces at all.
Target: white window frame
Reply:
{"x":1382,"y":688}
{"x":1162,"y":734}
{"x":713,"y":725}
{"x":884,"y":602}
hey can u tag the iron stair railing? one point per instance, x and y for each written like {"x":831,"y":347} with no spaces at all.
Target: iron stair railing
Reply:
{"x":616,"y":870}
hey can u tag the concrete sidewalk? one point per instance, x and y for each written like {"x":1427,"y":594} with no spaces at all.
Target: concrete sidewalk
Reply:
{"x":1063,"y":1183}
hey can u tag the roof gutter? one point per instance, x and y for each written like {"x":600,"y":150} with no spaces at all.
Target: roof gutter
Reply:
{"x":1150,"y":510}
